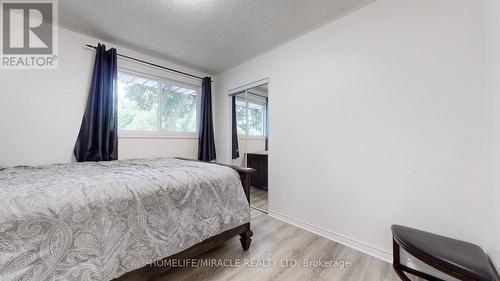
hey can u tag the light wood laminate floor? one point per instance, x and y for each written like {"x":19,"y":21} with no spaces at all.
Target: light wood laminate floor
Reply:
{"x":276,"y":240}
{"x":258,"y":198}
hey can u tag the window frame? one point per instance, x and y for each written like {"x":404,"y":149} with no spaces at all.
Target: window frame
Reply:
{"x":247,"y":100}
{"x":159,"y":133}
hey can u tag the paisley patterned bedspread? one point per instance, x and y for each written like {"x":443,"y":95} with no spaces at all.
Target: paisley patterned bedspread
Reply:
{"x":97,"y":221}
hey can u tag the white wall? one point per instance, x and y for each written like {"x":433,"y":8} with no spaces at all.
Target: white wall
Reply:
{"x":41,"y":110}
{"x":387,"y":105}
{"x":492,"y":21}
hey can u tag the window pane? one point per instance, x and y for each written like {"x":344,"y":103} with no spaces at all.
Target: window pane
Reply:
{"x":137,"y":103}
{"x":178,"y":109}
{"x":255,"y":119}
{"x":241,"y":113}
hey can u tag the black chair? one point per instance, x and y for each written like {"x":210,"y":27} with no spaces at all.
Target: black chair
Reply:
{"x":459,"y":259}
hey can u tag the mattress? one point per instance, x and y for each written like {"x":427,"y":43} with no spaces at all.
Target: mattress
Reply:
{"x":99,"y":220}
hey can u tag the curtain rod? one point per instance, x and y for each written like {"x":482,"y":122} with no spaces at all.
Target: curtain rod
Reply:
{"x":153,"y":64}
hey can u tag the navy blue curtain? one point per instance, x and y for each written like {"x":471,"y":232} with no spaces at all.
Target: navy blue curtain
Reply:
{"x":206,"y":141}
{"x":98,"y":137}
{"x":236,"y":150}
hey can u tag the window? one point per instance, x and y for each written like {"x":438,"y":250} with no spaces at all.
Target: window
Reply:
{"x":147,"y":104}
{"x":250,"y":117}
{"x":241,"y":116}
{"x":138,"y":103}
{"x":178,"y":109}
{"x":255,"y":119}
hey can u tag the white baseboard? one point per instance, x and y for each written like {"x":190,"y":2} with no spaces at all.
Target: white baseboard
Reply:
{"x":359,"y":246}
{"x":339,"y":238}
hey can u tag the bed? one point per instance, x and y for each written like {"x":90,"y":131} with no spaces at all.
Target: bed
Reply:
{"x":107,"y":220}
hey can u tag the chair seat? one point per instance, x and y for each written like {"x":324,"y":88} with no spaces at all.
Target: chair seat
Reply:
{"x":461,"y":257}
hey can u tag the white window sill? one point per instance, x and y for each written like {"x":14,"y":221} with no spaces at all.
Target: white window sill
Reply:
{"x":154,"y":135}
{"x":243,"y":137}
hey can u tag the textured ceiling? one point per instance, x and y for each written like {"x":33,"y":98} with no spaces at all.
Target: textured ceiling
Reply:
{"x":209,"y":35}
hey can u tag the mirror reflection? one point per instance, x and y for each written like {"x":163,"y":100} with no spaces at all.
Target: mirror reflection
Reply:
{"x":250,"y":139}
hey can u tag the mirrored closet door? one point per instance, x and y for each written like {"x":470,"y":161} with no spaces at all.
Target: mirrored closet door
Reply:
{"x":250,"y":139}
